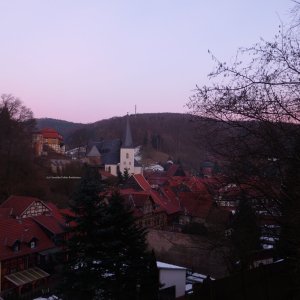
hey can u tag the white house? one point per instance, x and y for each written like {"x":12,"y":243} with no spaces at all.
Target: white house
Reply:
{"x":172,"y":275}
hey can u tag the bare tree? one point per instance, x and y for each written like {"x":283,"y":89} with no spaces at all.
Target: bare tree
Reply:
{"x":16,"y":126}
{"x":15,"y":109}
{"x":253,"y":114}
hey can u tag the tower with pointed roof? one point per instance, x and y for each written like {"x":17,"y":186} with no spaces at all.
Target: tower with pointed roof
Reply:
{"x":127,"y":159}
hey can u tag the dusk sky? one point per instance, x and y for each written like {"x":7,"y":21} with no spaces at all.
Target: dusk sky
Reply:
{"x":84,"y":60}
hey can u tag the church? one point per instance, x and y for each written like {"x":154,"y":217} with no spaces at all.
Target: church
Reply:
{"x":115,"y":155}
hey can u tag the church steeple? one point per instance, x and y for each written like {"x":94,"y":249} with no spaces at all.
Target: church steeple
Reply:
{"x":127,"y":142}
{"x":127,"y":153}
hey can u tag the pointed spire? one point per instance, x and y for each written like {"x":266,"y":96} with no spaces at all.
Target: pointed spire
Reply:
{"x":128,"y":137}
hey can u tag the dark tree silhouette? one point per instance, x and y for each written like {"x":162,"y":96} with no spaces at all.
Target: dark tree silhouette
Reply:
{"x":254,"y":110}
{"x":107,"y":252}
{"x":246,"y":232}
{"x":16,"y":155}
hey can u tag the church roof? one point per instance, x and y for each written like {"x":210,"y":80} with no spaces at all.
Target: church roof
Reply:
{"x":93,"y":152}
{"x":127,"y":141}
{"x":109,"y":150}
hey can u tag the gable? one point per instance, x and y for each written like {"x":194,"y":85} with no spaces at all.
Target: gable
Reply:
{"x":36,"y":208}
{"x":18,"y":204}
{"x":93,"y":152}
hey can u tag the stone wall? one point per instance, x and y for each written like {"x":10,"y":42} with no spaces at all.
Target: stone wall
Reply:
{"x":194,"y":252}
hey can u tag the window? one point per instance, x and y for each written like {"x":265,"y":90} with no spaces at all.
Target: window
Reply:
{"x":32,"y":244}
{"x":130,"y":163}
{"x":127,"y":155}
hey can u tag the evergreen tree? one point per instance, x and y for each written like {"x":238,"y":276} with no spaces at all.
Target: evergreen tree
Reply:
{"x":81,"y":275}
{"x":246,"y":233}
{"x":125,"y":174}
{"x":108,"y":258}
{"x":131,"y":267}
{"x":120,"y":177}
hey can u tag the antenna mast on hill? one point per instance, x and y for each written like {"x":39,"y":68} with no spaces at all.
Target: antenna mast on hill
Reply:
{"x":135,"y":110}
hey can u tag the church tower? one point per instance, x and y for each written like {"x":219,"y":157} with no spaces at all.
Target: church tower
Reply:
{"x":127,"y":160}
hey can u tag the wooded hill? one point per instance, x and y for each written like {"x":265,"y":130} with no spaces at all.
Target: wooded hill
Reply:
{"x":162,"y":135}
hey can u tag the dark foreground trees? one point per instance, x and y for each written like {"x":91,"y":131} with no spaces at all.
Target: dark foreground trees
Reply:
{"x":17,"y":170}
{"x":253,"y":108}
{"x":107,"y":252}
{"x":246,"y":233}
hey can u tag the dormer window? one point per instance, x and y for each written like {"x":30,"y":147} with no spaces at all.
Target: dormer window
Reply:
{"x":16,"y":246}
{"x":32,"y":243}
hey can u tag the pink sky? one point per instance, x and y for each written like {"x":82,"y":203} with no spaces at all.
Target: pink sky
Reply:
{"x":84,"y":61}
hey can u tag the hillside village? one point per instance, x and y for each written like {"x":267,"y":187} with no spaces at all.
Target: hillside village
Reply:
{"x":176,"y":207}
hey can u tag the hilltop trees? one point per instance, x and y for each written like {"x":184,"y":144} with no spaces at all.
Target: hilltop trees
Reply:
{"x":107,"y":251}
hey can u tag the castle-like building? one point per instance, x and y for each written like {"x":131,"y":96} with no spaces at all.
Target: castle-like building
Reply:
{"x":45,"y":139}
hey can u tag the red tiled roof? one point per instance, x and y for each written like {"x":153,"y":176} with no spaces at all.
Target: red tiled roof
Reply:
{"x":105,"y":174}
{"x":131,"y":191}
{"x":50,"y":133}
{"x":18,"y":204}
{"x":12,"y":230}
{"x":171,"y":206}
{"x":172,"y":170}
{"x":156,"y":178}
{"x":142,"y":182}
{"x":196,"y":184}
{"x":50,"y":223}
{"x":196,"y":204}
{"x":5,"y":212}
{"x":56,"y":213}
{"x":138,"y":200}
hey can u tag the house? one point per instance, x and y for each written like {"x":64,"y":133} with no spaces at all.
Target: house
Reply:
{"x":31,"y":235}
{"x":145,"y":203}
{"x":145,"y":210}
{"x":23,"y":207}
{"x":173,"y":279}
{"x":184,"y":200}
{"x":21,"y":241}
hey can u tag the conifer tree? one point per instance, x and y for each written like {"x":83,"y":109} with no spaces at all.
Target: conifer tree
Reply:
{"x":131,"y":267}
{"x":108,"y":258}
{"x":81,"y":275}
{"x":246,"y":233}
{"x":126,"y":174}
